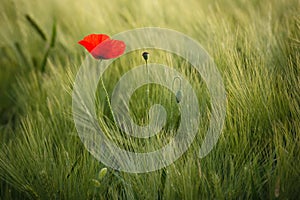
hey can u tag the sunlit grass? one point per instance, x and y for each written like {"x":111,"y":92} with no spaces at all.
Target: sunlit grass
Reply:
{"x":256,"y":48}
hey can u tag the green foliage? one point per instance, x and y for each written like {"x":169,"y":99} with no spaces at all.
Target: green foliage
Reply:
{"x":255,"y":45}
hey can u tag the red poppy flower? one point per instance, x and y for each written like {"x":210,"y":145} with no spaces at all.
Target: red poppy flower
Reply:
{"x":102,"y":47}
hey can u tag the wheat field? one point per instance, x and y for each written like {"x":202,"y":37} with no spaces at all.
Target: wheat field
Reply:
{"x":256,"y":47}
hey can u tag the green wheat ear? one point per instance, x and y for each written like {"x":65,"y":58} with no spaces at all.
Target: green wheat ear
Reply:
{"x":45,"y":182}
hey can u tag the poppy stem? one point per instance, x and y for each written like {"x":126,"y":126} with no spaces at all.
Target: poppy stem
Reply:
{"x":148,"y":101}
{"x":146,"y":56}
{"x":107,"y":98}
{"x":148,"y":80}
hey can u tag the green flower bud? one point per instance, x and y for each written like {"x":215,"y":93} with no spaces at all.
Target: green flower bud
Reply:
{"x":102,"y":173}
{"x":178,"y":96}
{"x":95,"y":182}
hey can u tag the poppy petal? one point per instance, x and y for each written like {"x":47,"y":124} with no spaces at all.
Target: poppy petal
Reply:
{"x":109,"y":49}
{"x":87,"y":45}
{"x":92,"y":40}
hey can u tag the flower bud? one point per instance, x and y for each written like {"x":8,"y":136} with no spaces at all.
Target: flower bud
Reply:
{"x":102,"y":173}
{"x":95,"y":183}
{"x":145,"y":56}
{"x":178,"y":96}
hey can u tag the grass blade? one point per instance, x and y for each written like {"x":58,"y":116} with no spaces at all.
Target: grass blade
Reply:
{"x":52,"y":44}
{"x":21,"y":54}
{"x":53,"y":36}
{"x":36,"y":27}
{"x":44,"y":61}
